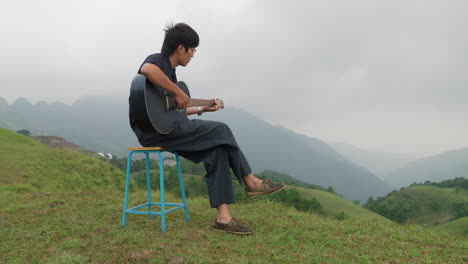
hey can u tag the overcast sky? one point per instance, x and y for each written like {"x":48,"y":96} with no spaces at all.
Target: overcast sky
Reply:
{"x":389,"y":75}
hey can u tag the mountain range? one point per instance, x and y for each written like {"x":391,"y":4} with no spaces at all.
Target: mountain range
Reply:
{"x":101,"y":124}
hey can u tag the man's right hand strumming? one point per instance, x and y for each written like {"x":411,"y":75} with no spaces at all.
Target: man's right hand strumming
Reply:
{"x":182,"y":100}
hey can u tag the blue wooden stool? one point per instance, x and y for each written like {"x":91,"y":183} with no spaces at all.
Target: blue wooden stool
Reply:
{"x":162,"y":202}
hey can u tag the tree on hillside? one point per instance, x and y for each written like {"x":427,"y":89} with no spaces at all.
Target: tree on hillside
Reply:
{"x":24,"y":132}
{"x":458,"y":183}
{"x":461,"y":209}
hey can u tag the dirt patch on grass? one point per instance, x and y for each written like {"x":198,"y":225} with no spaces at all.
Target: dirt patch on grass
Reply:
{"x":137,"y":257}
{"x":56,"y":204}
{"x":56,"y":142}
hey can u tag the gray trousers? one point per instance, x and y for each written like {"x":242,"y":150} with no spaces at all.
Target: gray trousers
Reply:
{"x":213,"y":144}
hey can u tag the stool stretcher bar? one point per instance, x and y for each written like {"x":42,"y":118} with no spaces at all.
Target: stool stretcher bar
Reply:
{"x":147,"y":204}
{"x":134,"y":211}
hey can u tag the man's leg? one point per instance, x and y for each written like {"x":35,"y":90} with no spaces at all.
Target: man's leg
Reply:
{"x":220,"y":191}
{"x":218,"y":177}
{"x":223,"y":215}
{"x":252,"y":182}
{"x":254,"y":186}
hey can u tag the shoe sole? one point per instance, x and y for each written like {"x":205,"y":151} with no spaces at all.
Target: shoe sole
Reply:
{"x":253,"y":195}
{"x":240,"y":233}
{"x":234,"y":232}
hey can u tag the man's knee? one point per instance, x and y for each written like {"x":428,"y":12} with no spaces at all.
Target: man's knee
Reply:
{"x":215,"y":157}
{"x":225,"y":129}
{"x":221,"y":125}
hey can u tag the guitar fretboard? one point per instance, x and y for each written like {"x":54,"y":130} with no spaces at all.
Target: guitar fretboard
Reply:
{"x":200,"y":102}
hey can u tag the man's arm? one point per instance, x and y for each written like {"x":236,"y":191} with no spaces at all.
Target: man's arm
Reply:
{"x":203,"y":109}
{"x":192,"y":110}
{"x":155,"y":75}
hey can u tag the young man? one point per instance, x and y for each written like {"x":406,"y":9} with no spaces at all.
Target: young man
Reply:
{"x":204,"y":141}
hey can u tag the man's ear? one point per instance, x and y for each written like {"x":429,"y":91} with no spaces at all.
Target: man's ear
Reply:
{"x":181,"y":48}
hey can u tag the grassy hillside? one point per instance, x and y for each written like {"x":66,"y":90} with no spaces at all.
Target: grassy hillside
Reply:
{"x":333,"y":205}
{"x":426,"y":205}
{"x":65,"y":207}
{"x":39,"y":167}
{"x":459,"y":226}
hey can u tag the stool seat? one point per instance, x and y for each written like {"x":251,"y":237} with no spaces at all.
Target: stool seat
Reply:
{"x":148,"y":148}
{"x":162,"y":204}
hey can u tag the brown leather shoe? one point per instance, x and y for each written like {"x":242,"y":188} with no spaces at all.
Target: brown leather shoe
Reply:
{"x":233,"y":227}
{"x":267,"y":187}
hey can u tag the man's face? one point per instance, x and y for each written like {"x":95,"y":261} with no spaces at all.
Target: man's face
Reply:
{"x":186,"y":55}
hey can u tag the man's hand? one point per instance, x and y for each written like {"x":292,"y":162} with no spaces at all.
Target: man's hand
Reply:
{"x":182,"y":100}
{"x":213,"y":108}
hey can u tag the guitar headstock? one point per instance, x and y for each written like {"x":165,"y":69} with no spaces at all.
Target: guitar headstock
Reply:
{"x":220,"y":102}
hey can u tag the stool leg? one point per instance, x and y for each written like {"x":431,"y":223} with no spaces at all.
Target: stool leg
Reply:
{"x":127,"y":184}
{"x":148,"y":184}
{"x":182,"y":190}
{"x":161,"y":192}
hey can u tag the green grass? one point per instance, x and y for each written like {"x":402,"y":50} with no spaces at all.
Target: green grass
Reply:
{"x":459,"y":226}
{"x":84,"y":226}
{"x":334,"y":205}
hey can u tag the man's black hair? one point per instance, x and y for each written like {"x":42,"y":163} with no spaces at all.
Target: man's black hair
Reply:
{"x":177,"y":34}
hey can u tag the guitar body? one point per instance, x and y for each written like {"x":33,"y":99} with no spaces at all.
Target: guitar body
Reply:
{"x":154,"y":108}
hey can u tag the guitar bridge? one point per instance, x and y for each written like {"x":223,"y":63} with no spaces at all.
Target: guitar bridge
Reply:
{"x":168,"y":107}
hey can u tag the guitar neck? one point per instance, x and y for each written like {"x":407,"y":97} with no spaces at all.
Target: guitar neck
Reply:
{"x":200,"y":102}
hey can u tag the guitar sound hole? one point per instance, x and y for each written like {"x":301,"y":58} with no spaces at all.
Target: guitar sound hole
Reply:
{"x":170,"y":103}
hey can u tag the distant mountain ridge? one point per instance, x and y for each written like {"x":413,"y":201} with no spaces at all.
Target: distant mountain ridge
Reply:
{"x":380,"y":163}
{"x":446,"y":165}
{"x":101,"y":124}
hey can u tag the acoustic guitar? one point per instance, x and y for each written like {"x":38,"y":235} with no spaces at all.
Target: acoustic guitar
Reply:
{"x":155,"y":108}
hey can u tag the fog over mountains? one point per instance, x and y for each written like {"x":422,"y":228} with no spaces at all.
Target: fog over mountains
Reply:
{"x":436,"y":168}
{"x":378,"y":162}
{"x":101,"y":124}
{"x":402,"y":170}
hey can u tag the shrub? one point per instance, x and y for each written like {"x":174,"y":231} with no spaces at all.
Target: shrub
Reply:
{"x":342,"y":216}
